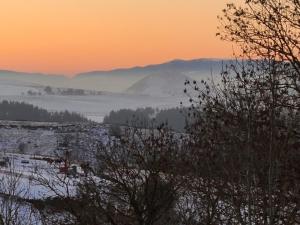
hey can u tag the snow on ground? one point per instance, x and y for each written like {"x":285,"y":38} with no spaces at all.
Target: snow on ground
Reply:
{"x":37,"y":141}
{"x":23,"y":179}
{"x":32,"y":177}
{"x":21,"y":213}
{"x":34,"y":167}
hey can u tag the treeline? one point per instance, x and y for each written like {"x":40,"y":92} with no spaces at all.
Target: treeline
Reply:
{"x":62,"y":91}
{"x":10,"y":110}
{"x":69,"y":91}
{"x":174,"y":118}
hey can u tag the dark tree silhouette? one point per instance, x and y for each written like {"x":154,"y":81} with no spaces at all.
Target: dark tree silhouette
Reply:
{"x":175,"y":118}
{"x":245,"y":147}
{"x":245,"y":143}
{"x":264,"y":28}
{"x":134,"y":184}
{"x":23,"y":111}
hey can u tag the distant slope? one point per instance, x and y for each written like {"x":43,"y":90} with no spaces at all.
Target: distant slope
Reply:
{"x":167,"y":83}
{"x":123,"y":79}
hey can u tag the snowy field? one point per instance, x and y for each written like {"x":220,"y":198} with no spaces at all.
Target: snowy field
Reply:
{"x":37,"y":141}
{"x":31,"y":174}
{"x":28,"y":177}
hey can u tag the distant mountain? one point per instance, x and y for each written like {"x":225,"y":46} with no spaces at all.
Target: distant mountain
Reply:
{"x":16,"y":74}
{"x":118,"y":80}
{"x":178,"y":65}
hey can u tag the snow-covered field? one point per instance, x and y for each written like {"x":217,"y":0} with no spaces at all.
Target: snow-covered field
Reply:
{"x":39,"y":141}
{"x":29,"y":173}
{"x":39,"y":173}
{"x":27,"y":178}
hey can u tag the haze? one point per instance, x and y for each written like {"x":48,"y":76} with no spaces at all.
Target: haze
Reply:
{"x":72,"y":36}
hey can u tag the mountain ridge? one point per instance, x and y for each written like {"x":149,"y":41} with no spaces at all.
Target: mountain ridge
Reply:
{"x":6,"y":71}
{"x":119,"y":80}
{"x":173,"y":63}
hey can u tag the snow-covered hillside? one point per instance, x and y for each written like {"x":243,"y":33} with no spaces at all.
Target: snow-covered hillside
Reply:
{"x":168,"y":83}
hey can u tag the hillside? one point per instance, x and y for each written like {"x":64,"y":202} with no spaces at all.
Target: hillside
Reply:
{"x":168,"y":83}
{"x":120,"y":80}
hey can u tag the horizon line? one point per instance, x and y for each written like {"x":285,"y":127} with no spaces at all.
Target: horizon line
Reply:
{"x":111,"y":70}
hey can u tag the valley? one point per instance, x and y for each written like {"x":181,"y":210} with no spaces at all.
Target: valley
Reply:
{"x":97,"y":93}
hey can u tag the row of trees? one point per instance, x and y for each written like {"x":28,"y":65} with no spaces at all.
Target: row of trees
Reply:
{"x":22,"y":111}
{"x":174,"y":118}
{"x":67,"y":91}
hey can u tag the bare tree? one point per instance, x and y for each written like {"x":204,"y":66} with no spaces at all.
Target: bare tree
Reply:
{"x":264,"y":28}
{"x":14,"y":207}
{"x":245,"y":142}
{"x":135,"y":181}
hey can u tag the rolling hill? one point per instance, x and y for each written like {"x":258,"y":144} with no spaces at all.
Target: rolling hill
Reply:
{"x":167,"y":83}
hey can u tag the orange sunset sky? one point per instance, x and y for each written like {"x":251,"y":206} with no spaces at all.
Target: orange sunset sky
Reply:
{"x":72,"y":36}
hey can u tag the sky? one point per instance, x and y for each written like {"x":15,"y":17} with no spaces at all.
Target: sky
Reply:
{"x":73,"y":36}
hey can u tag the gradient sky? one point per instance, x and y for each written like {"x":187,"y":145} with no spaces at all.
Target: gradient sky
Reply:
{"x":71,"y":36}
